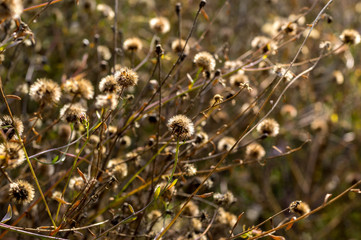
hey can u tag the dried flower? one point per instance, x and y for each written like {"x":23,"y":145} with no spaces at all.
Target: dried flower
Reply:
{"x":255,"y":151}
{"x":289,"y":111}
{"x":181,"y":127}
{"x":109,"y":84}
{"x":118,"y":167}
{"x":299,"y":207}
{"x":178,"y":45}
{"x":11,"y":155}
{"x":79,"y":86}
{"x":191,"y":209}
{"x":126,"y":77}
{"x":226,"y":218}
{"x":21,"y":191}
{"x":268,"y":127}
{"x":106,"y":101}
{"x":350,"y":36}
{"x":73,"y":112}
{"x":10,"y":9}
{"x":45,"y":91}
{"x":125,"y":141}
{"x":238,"y":79}
{"x":8,"y":126}
{"x":189,"y":170}
{"x":226,"y":143}
{"x":224,"y":199}
{"x":133,"y":44}
{"x":159,"y":25}
{"x":216,"y":99}
{"x":104,"y":52}
{"x":205,"y":60}
{"x":265,"y":43}
{"x":106,"y":11}
{"x":76,"y":183}
{"x":201,"y":137}
{"x":280,"y":71}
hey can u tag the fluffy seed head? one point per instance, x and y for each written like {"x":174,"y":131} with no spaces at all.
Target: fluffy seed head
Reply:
{"x":224,"y":199}
{"x":8,"y":126}
{"x":76,"y":183}
{"x":205,"y":60}
{"x":350,"y":36}
{"x":265,"y":43}
{"x":299,"y":207}
{"x":289,"y":110}
{"x":226,"y":143}
{"x":45,"y":91}
{"x":178,"y":45}
{"x":226,"y":218}
{"x":181,"y":127}
{"x":133,"y":44}
{"x":81,"y":87}
{"x":159,"y":25}
{"x":255,"y":151}
{"x":21,"y":191}
{"x":106,"y":101}
{"x":126,"y":77}
{"x":189,"y":170}
{"x":10,"y":9}
{"x":201,"y":137}
{"x":106,"y":11}
{"x":118,"y":167}
{"x":237,"y":80}
{"x":11,"y":155}
{"x":109,"y":84}
{"x":73,"y":112}
{"x":268,"y":127}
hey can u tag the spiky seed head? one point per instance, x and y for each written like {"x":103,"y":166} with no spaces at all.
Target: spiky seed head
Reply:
{"x":81,"y":87}
{"x":181,"y":127}
{"x":205,"y":60}
{"x":255,"y":151}
{"x":133,"y":44}
{"x":109,"y":84}
{"x":8,"y":126}
{"x":45,"y":91}
{"x":226,"y":143}
{"x":126,"y":77}
{"x":109,"y":100}
{"x":21,"y":192}
{"x":11,"y":155}
{"x":268,"y":127}
{"x":299,"y":207}
{"x":350,"y":36}
{"x":73,"y":112}
{"x":159,"y":25}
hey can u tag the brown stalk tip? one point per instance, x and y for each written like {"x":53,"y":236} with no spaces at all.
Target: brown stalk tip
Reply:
{"x":178,"y":8}
{"x":202,"y":4}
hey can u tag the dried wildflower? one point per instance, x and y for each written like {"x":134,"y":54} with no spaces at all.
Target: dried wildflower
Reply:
{"x":159,"y":25}
{"x":79,"y":86}
{"x":118,"y":167}
{"x":320,"y":124}
{"x":126,"y":77}
{"x":201,"y":137}
{"x":205,"y":60}
{"x":196,"y":224}
{"x":21,"y":191}
{"x":73,"y":112}
{"x":216,"y":99}
{"x":23,"y":89}
{"x":64,"y":131}
{"x":226,"y":143}
{"x":191,"y":209}
{"x":154,"y":214}
{"x":133,"y":44}
{"x":94,"y":140}
{"x":45,"y":91}
{"x":106,"y":11}
{"x":109,"y":84}
{"x":178,"y":45}
{"x":11,"y":155}
{"x":76,"y":183}
{"x":350,"y":36}
{"x":226,"y":218}
{"x":280,"y":71}
{"x":265,"y":43}
{"x":125,"y":141}
{"x":189,"y":170}
{"x":8,"y":126}
{"x":268,"y":127}
{"x":10,"y":9}
{"x":237,"y":80}
{"x":255,"y":151}
{"x":289,"y":110}
{"x":224,"y":199}
{"x":232,"y":65}
{"x":181,"y":127}
{"x":106,"y":101}
{"x":104,"y":52}
{"x":299,"y":207}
